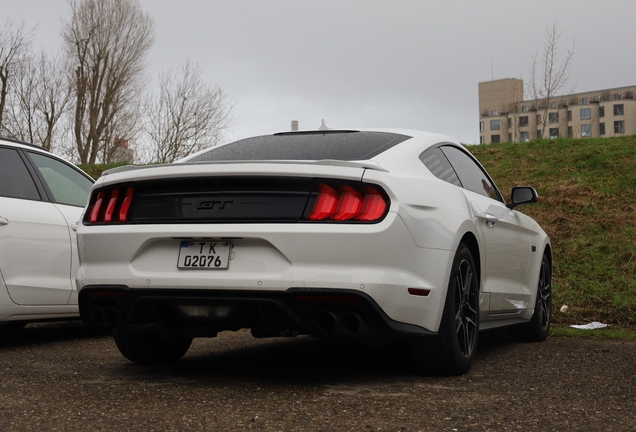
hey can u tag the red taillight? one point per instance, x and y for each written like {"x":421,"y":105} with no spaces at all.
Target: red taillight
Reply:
{"x":125,"y":206}
{"x":110,"y":209}
{"x":326,"y":203}
{"x":374,"y":206}
{"x":96,"y":208}
{"x":100,"y":212}
{"x":348,"y":204}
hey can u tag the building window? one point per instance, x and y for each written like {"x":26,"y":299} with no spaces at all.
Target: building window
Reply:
{"x":617,"y":96}
{"x":553,"y":117}
{"x":524,"y":108}
{"x":495,"y":139}
{"x":554,"y":104}
{"x":524,"y":137}
{"x":586,"y":130}
{"x":538,"y":133}
{"x":495,"y":112}
{"x":619,"y":127}
{"x":601,"y":128}
{"x":569,"y":131}
{"x":523,"y":121}
{"x":585,"y":101}
{"x":509,"y":137}
{"x":629,"y":95}
{"x":554,"y":133}
{"x":509,"y":122}
{"x":569,"y":115}
{"x":482,"y":140}
{"x":586,"y":113}
{"x":538,"y":118}
{"x":481,"y":126}
{"x":619,"y":110}
{"x":494,"y":124}
{"x":601,"y":111}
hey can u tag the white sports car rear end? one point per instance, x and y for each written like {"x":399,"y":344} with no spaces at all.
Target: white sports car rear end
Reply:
{"x":338,"y":234}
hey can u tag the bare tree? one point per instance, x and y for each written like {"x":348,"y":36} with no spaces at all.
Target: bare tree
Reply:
{"x":187,"y":115}
{"x":106,"y":42}
{"x":15,"y":42}
{"x":548,"y":76}
{"x":39,"y":99}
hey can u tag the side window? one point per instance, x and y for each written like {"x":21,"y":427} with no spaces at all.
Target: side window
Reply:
{"x":471,"y":175}
{"x":68,"y":185}
{"x":15,"y":179}
{"x":439,"y":166}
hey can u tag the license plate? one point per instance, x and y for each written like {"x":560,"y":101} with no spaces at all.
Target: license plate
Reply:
{"x":204,"y":255}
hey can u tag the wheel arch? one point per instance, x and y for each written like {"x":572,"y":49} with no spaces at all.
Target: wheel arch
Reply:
{"x":470,"y":240}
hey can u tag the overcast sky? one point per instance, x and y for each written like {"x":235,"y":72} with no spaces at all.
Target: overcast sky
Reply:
{"x":368,"y":63}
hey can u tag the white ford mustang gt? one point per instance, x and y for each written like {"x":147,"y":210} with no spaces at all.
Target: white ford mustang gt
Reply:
{"x":337,"y":234}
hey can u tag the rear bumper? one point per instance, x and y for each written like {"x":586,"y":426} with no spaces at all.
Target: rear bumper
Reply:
{"x":200,"y":313}
{"x":377,"y":261}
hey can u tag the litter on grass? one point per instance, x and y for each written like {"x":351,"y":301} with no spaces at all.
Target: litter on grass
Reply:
{"x":590,"y":326}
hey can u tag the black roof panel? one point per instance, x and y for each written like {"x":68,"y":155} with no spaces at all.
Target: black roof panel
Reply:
{"x":314,"y":145}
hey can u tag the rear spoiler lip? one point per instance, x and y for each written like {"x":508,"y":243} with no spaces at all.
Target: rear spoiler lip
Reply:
{"x":366,"y":164}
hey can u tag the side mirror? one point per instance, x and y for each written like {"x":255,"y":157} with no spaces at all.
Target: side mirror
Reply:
{"x":522,"y":195}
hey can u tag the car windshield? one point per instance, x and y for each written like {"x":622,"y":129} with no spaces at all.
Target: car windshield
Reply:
{"x":318,"y":145}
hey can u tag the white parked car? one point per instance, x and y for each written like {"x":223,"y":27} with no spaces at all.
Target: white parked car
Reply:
{"x":363,"y":234}
{"x":42,"y":198}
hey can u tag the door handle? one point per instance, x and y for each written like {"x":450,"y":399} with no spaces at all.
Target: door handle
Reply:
{"x":4,"y":221}
{"x":491,"y":220}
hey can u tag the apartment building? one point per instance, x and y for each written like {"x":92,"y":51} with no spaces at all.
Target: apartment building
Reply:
{"x":505,"y":117}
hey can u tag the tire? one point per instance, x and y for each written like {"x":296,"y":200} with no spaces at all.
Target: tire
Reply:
{"x":538,"y":329}
{"x":148,"y":347}
{"x":451,"y":352}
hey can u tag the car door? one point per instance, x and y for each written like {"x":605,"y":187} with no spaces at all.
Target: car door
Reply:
{"x":68,"y":188}
{"x":35,"y":245}
{"x":506,"y":239}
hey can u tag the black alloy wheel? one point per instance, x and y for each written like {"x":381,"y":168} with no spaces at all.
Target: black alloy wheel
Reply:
{"x":466,"y":308}
{"x":538,"y":329}
{"x":451,"y":352}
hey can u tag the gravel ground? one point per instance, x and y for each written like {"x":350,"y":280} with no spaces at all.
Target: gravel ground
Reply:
{"x":70,"y":377}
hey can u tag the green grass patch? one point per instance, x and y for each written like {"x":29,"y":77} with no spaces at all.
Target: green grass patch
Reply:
{"x":587,"y":193}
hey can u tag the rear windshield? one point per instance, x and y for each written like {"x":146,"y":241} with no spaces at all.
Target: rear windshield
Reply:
{"x":319,"y":145}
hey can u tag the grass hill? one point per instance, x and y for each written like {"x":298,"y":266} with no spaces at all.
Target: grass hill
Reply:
{"x":587,"y":204}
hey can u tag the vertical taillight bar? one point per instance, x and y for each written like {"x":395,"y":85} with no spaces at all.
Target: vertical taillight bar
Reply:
{"x":110,"y":208}
{"x":96,"y":208}
{"x":125,"y":206}
{"x":326,"y":203}
{"x":374,"y":205}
